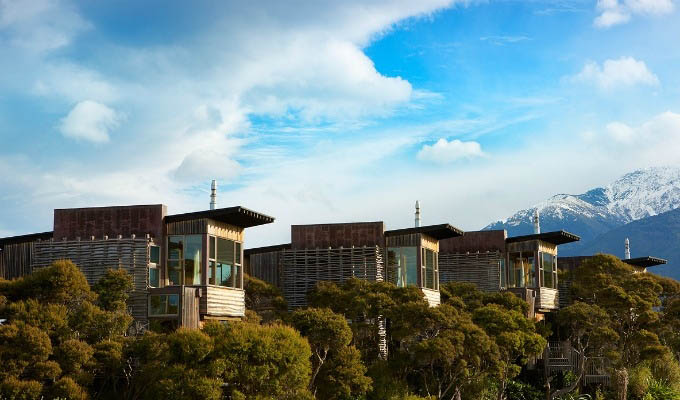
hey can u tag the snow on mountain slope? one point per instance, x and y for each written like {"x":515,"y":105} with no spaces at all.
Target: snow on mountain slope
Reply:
{"x":636,"y":195}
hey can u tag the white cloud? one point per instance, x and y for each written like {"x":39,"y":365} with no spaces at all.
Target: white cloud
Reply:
{"x":615,"y":12}
{"x":90,"y":121}
{"x":500,"y":40}
{"x":622,"y":72}
{"x":40,"y":25}
{"x":444,"y":151}
{"x":620,"y":132}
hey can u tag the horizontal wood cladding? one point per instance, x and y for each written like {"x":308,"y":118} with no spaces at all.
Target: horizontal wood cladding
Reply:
{"x":94,"y":257}
{"x":73,"y":223}
{"x":547,"y":247}
{"x":529,"y":245}
{"x":547,"y":299}
{"x":265,"y":266}
{"x":337,"y":235}
{"x":433,"y":297}
{"x":303,"y":269}
{"x":480,"y":268}
{"x":16,"y":260}
{"x":222,"y":302}
{"x":224,"y":230}
{"x":473,"y":242}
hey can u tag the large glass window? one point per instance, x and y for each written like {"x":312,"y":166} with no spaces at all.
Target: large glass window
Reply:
{"x":402,"y":266}
{"x":225,"y":263}
{"x":522,"y":269}
{"x":163,"y":304}
{"x":184,"y":259}
{"x":549,"y":270}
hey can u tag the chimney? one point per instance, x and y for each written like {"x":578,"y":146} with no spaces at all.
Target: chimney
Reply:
{"x":627,"y":254}
{"x":417,"y":213}
{"x":537,"y":222}
{"x":213,"y":195}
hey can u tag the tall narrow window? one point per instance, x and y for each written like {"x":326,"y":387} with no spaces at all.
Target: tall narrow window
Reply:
{"x":154,"y":262}
{"x":175,"y":256}
{"x":192,"y":259}
{"x":548,"y":276}
{"x":504,"y":273}
{"x":402,"y":266}
{"x":429,"y":269}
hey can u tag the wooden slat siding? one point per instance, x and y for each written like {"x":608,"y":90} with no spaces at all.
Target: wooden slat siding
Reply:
{"x":94,"y":257}
{"x":222,"y":302}
{"x":410,"y":240}
{"x":195,"y":226}
{"x":547,"y":299}
{"x":429,"y":243}
{"x":265,"y":266}
{"x":189,"y":315}
{"x":482,"y":269}
{"x":224,"y":230}
{"x":16,"y":260}
{"x":432,"y":296}
{"x":302,"y":269}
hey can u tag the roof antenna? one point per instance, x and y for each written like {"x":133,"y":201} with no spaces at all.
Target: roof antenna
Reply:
{"x":537,"y":222}
{"x":627,"y":254}
{"x":213,"y":195}
{"x":417,"y":214}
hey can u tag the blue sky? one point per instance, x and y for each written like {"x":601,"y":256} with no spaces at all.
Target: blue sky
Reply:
{"x":330,"y":111}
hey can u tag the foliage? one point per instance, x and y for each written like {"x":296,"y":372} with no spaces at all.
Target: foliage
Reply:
{"x":329,"y":335}
{"x":113,"y":290}
{"x":264,"y":299}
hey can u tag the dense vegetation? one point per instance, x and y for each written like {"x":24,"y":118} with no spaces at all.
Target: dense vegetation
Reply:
{"x":63,"y":339}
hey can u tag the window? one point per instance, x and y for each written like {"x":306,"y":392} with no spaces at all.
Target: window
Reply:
{"x":549,"y":270}
{"x":224,"y":263}
{"x":504,"y":273}
{"x":522,"y":269}
{"x":154,"y":277}
{"x":184,"y":259}
{"x":154,"y":261}
{"x":163,"y":304}
{"x":402,"y":266}
{"x":155,"y":254}
{"x":429,"y":262}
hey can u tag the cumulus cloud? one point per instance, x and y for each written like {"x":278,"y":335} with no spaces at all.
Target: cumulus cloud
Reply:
{"x":615,"y":12}
{"x":90,"y":121}
{"x":622,"y":72}
{"x":658,"y":138}
{"x":444,"y":151}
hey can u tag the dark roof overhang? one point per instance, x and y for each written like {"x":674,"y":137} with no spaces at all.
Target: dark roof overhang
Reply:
{"x":556,"y":238}
{"x":31,"y":237}
{"x":439,"y":232}
{"x":645,"y":262}
{"x":267,"y":249}
{"x":239,"y":216}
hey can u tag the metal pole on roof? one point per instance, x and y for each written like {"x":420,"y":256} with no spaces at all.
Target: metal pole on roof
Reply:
{"x":417,"y":213}
{"x":627,"y":254}
{"x":537,"y":222}
{"x":213,"y":195}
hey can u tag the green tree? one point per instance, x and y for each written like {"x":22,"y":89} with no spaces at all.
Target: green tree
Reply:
{"x":265,"y":299}
{"x":113,"y":290}
{"x":329,"y":337}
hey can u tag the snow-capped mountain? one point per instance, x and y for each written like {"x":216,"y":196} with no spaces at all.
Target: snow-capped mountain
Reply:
{"x":636,"y":195}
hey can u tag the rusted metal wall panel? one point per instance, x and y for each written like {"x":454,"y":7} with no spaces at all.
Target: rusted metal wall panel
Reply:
{"x":337,"y":235}
{"x":111,"y":221}
{"x":481,"y":241}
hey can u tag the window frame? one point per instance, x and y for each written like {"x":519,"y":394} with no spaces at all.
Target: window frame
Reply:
{"x":154,"y":266}
{"x":236,"y":268}
{"x":167,"y":302}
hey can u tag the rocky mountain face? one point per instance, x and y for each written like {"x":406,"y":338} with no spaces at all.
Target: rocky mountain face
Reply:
{"x":604,"y":216}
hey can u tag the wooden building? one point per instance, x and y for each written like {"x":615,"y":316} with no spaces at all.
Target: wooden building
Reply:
{"x":186,"y":268}
{"x":524,"y":265}
{"x":364,"y":250}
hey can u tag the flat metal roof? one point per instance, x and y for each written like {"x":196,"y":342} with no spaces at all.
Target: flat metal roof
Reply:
{"x":31,"y":237}
{"x":439,"y":232}
{"x":556,"y":237}
{"x":645,"y":262}
{"x":239,"y":216}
